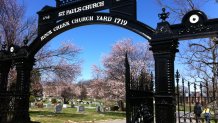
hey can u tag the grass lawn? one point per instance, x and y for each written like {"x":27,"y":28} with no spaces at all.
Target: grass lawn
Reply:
{"x":46,"y":115}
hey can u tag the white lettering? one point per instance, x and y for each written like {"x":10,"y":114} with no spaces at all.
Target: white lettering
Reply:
{"x":46,"y":35}
{"x":82,"y":19}
{"x":46,"y":17}
{"x":104,"y":18}
{"x":120,"y":21}
{"x":81,"y":9}
{"x":61,"y":13}
{"x":65,"y":24}
{"x":100,"y":18}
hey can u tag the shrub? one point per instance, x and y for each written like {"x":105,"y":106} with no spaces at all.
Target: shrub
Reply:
{"x":32,"y":98}
{"x":53,"y":100}
{"x":39,"y":104}
{"x":114,"y":108}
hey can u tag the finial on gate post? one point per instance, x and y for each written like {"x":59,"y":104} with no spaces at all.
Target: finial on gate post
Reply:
{"x":177,"y":74}
{"x":25,"y":41}
{"x":164,"y":15}
{"x":4,"y":46}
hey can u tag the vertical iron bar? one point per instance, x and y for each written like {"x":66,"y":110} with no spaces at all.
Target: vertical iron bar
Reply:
{"x":195,"y":91}
{"x":207,"y":92}
{"x":127,"y":82}
{"x":183,"y":91}
{"x":201,"y":94}
{"x":152,"y":83}
{"x":213,"y":80}
{"x":189,"y":98}
{"x":178,"y":93}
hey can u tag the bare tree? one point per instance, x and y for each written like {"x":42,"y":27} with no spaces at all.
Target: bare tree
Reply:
{"x":62,"y":63}
{"x":178,"y":8}
{"x":13,"y":26}
{"x":202,"y":58}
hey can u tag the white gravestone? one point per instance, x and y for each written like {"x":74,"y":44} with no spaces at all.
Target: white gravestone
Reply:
{"x":80,"y":108}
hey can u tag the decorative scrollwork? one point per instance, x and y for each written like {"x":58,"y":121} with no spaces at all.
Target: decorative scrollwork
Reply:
{"x":163,"y":28}
{"x":141,"y":113}
{"x":192,"y":29}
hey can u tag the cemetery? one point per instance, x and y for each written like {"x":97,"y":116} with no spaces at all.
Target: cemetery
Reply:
{"x":80,"y":112}
{"x":136,"y":82}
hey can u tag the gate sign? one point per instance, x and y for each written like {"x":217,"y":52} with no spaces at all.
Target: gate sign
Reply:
{"x":67,"y":8}
{"x":85,"y":19}
{"x":52,"y":13}
{"x":80,"y":9}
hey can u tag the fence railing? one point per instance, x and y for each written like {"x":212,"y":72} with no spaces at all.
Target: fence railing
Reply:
{"x":189,"y":93}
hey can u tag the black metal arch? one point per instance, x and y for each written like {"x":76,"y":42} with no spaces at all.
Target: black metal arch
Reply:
{"x":130,"y":24}
{"x":69,"y":14}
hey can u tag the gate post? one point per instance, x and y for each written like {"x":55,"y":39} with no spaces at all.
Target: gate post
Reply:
{"x":4,"y":97}
{"x":165,"y":101}
{"x":24,"y":67}
{"x":4,"y":70}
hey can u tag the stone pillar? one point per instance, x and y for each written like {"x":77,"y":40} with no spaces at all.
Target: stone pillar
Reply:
{"x":165,"y":100}
{"x":24,"y":67}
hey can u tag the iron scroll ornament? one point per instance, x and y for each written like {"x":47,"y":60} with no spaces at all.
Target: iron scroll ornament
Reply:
{"x":88,"y":19}
{"x":195,"y":24}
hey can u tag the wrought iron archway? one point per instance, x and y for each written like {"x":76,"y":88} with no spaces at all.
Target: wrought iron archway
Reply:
{"x":71,"y":13}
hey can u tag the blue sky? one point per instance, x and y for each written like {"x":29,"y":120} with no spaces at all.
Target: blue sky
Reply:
{"x":96,"y":40}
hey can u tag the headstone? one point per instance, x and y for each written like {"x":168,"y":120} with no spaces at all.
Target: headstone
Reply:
{"x":121,"y":105}
{"x":100,"y":108}
{"x":80,"y":108}
{"x":58,"y":108}
{"x":32,"y":104}
{"x":72,"y":104}
{"x":64,"y":105}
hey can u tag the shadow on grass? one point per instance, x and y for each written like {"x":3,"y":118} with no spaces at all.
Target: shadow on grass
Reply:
{"x":116,"y":114}
{"x":51,"y":114}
